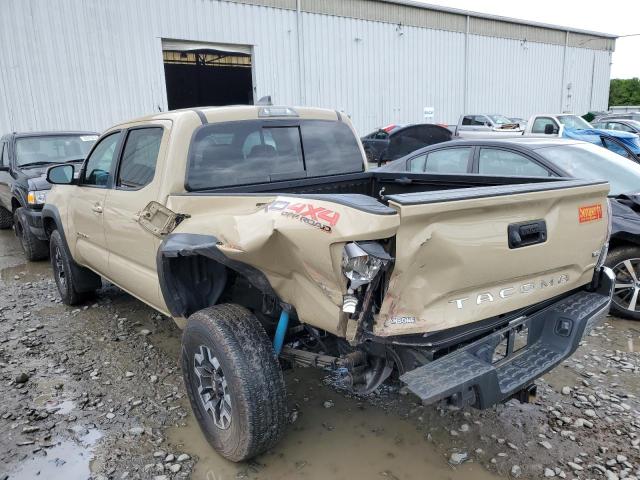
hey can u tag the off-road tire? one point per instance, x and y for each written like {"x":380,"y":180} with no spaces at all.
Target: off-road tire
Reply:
{"x":70,"y":293}
{"x":614,"y":259}
{"x":6,"y":219}
{"x":254,"y":380}
{"x":33,"y":247}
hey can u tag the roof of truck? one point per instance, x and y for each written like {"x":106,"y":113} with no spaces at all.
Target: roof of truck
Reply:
{"x":241,"y":112}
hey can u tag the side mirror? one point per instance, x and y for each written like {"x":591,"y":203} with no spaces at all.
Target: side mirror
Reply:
{"x":550,"y":129}
{"x":60,"y":175}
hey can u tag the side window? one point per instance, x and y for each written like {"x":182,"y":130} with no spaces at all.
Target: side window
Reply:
{"x":494,"y":161}
{"x":450,"y":160}
{"x":416,"y":164}
{"x":467,"y":120}
{"x":478,"y":121}
{"x":97,"y":170}
{"x":139,"y":157}
{"x":540,"y":123}
{"x":622,"y":127}
{"x":5,"y":154}
{"x":615,"y":147}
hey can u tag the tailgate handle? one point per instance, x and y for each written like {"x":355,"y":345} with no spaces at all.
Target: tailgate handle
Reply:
{"x":527,"y":233}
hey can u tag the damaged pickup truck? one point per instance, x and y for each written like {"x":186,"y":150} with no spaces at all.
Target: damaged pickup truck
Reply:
{"x":260,"y":231}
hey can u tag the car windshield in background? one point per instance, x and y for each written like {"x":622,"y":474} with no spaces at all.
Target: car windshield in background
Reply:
{"x":500,"y":119}
{"x":52,"y":149}
{"x":573,"y":121}
{"x":243,"y":153}
{"x":593,"y":162}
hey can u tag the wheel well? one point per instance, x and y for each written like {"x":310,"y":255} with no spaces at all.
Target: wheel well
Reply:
{"x":616,"y":243}
{"x":49,"y":225}
{"x":191,"y":283}
{"x":15,"y":204}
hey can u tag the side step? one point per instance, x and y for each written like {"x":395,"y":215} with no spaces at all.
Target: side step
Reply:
{"x":473,"y":375}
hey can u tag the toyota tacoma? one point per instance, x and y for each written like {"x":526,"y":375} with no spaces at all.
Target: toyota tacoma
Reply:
{"x":259,"y":230}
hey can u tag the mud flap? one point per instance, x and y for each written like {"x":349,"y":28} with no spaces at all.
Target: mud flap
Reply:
{"x":474,"y":376}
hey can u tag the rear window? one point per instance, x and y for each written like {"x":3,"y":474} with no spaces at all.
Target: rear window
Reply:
{"x":260,"y":151}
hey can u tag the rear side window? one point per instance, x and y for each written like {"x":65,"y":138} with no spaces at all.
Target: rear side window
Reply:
{"x":139,"y":157}
{"x":494,"y":161}
{"x":259,"y":151}
{"x":5,"y":154}
{"x":450,"y":160}
{"x":540,"y":123}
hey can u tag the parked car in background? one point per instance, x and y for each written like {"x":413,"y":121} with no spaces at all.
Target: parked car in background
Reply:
{"x":260,"y":231}
{"x":483,"y":125}
{"x":23,"y":186}
{"x":619,"y":116}
{"x":553,"y":157}
{"x":621,"y":124}
{"x":577,"y":128}
{"x":520,"y":121}
{"x":395,"y":141}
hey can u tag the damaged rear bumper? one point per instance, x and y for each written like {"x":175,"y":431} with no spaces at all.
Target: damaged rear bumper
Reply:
{"x":493,"y":369}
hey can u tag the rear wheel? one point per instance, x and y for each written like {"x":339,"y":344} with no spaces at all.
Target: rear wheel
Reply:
{"x":34,"y":248}
{"x":6,"y":219}
{"x":625,"y":263}
{"x":234,"y":381}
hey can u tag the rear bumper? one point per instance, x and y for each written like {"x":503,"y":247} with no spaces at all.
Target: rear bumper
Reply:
{"x":471,"y":375}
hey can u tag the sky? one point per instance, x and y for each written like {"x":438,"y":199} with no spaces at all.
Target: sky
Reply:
{"x":619,"y":17}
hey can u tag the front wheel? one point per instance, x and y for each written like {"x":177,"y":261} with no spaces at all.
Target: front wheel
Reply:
{"x":625,"y":263}
{"x":6,"y":219}
{"x":72,"y":290}
{"x":234,"y":381}
{"x":33,"y":247}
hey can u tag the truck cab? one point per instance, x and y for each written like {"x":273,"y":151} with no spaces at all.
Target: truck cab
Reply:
{"x":486,"y":125}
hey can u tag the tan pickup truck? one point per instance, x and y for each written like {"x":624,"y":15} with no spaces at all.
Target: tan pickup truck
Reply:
{"x":260,"y":231}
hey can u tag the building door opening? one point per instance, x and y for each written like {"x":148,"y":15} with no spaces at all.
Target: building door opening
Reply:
{"x":199,"y":75}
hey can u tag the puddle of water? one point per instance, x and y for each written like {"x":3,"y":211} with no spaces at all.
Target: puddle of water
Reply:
{"x":349,"y":440}
{"x":67,"y":459}
{"x":28,"y":272}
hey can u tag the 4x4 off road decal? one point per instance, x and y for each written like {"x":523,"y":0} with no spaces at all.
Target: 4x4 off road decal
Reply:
{"x":318,"y":217}
{"x":589,"y":213}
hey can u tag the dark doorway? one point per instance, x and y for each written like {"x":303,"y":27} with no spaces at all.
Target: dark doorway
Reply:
{"x":199,"y":78}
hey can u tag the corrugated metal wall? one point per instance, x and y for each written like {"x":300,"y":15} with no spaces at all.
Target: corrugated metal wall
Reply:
{"x":87,"y":65}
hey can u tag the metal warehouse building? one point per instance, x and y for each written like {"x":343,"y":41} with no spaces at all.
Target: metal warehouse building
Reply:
{"x":72,"y":64}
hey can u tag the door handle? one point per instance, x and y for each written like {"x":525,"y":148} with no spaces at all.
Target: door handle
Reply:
{"x":97,"y":208}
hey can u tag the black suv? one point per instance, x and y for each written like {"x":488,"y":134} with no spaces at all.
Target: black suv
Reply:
{"x":24,"y":159}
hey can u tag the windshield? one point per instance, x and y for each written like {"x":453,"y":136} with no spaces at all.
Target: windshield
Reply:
{"x":260,"y":151}
{"x":573,"y":121}
{"x":500,"y":119}
{"x":585,"y":160}
{"x":52,"y":149}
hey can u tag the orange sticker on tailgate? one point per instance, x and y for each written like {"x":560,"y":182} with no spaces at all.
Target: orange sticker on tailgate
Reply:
{"x":589,"y":213}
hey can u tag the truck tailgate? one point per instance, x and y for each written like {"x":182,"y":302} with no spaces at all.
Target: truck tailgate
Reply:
{"x":466,"y":255}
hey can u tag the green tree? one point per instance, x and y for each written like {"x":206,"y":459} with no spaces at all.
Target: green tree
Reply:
{"x":624,"y":92}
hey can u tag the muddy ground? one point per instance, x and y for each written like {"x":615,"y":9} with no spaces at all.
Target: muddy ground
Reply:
{"x":96,"y":392}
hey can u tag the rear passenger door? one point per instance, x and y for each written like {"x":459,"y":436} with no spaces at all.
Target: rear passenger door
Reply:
{"x":132,"y":249}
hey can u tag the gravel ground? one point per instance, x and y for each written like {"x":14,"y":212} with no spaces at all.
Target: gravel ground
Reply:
{"x":96,"y":392}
